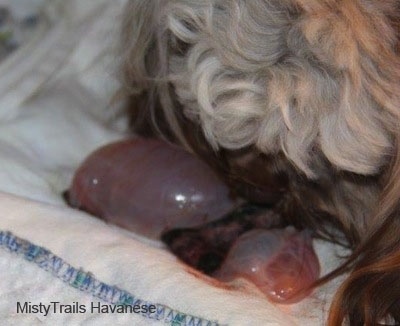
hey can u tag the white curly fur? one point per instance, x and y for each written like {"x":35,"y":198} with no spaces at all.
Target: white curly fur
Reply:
{"x":316,"y":80}
{"x":256,"y":73}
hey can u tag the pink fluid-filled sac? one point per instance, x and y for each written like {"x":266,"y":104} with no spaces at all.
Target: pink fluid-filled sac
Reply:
{"x":148,"y":186}
{"x":281,"y":263}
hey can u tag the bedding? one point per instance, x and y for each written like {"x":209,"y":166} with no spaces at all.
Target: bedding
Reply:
{"x":63,"y":266}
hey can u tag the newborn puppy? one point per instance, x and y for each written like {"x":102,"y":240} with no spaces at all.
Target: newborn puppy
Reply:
{"x":296,"y":103}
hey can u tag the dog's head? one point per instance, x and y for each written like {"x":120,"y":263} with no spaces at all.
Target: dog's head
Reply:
{"x":285,"y":96}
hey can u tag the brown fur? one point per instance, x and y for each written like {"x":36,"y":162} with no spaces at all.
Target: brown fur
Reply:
{"x":334,"y":165}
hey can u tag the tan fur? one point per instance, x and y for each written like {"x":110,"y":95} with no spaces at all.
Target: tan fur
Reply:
{"x":306,"y":90}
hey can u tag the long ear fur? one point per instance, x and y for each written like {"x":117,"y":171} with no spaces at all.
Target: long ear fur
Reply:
{"x":371,"y":294}
{"x":144,"y":69}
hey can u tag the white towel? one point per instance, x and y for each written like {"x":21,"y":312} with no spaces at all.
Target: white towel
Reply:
{"x":51,"y":253}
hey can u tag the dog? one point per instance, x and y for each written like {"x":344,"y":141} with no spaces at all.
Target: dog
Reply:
{"x":296,"y":103}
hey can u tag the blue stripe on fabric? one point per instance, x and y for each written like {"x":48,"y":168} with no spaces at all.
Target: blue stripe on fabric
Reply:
{"x":86,"y":282}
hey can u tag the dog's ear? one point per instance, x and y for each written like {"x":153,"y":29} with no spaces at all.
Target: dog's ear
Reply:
{"x":360,"y":39}
{"x":371,"y":294}
{"x":138,"y":57}
{"x":143,"y":60}
{"x":138,"y":60}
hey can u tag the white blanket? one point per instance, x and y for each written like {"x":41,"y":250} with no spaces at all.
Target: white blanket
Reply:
{"x":54,"y":110}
